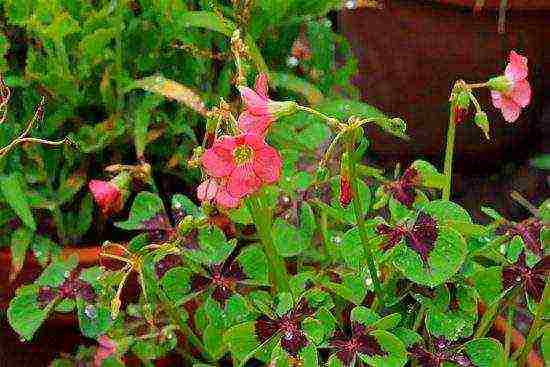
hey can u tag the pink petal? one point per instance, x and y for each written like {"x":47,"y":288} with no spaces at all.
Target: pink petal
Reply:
{"x":254,"y":124}
{"x":256,"y":104}
{"x":521,"y":93}
{"x":107,"y":196}
{"x":510,"y":109}
{"x":207,"y":190}
{"x":497,"y":98}
{"x":517,"y":67}
{"x":243,"y":181}
{"x":255,"y":141}
{"x":267,"y":164}
{"x":225,"y":200}
{"x":262,"y":85}
{"x":218,"y":160}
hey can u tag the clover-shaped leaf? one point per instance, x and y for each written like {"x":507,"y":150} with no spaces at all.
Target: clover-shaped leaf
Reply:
{"x":147,"y":213}
{"x":444,"y":259}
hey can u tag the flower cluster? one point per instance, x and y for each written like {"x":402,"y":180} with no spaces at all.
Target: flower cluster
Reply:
{"x":240,"y":165}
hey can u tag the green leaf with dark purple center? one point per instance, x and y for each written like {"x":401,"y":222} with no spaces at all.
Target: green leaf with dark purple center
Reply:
{"x":57,"y":272}
{"x":24,"y":313}
{"x":147,"y":213}
{"x":444,"y":260}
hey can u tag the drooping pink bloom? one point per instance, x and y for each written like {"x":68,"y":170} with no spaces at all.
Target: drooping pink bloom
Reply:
{"x":107,"y":196}
{"x":512,"y":92}
{"x":215,"y":190}
{"x":261,"y":111}
{"x":242,"y":163}
{"x":106,"y":348}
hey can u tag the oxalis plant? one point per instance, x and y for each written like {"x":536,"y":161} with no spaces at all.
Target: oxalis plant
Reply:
{"x":304,"y":257}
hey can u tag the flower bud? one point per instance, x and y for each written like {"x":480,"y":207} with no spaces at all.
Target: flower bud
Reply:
{"x":482,"y":121}
{"x":110,"y":196}
{"x":345,"y":191}
{"x":345,"y":184}
{"x":282,"y":108}
{"x":463,"y":99}
{"x":500,"y":83}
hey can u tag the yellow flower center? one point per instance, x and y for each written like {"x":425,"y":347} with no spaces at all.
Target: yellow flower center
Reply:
{"x":243,"y":154}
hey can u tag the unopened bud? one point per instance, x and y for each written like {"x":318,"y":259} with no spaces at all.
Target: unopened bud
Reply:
{"x":345,"y":184}
{"x":463,"y":99}
{"x":282,"y":108}
{"x":110,"y":196}
{"x":482,"y":122}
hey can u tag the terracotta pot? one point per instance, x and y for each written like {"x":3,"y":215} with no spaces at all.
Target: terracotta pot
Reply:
{"x":494,"y":4}
{"x":411,"y":52}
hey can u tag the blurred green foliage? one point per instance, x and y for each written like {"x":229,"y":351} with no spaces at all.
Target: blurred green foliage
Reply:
{"x":88,"y":58}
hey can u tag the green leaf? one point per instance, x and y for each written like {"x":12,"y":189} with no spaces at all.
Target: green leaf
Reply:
{"x":456,"y":321}
{"x":173,"y":90}
{"x":284,"y":303}
{"x":208,"y":20}
{"x":176,"y":283}
{"x":447,"y":210}
{"x":488,"y":283}
{"x":364,"y":315}
{"x":541,"y":161}
{"x":288,"y":240}
{"x":183,"y":203}
{"x":20,"y":241}
{"x":545,"y":344}
{"x":24,"y":314}
{"x":429,"y":175}
{"x":44,"y":250}
{"x":146,"y":207}
{"x":485,"y":352}
{"x":443,"y":261}
{"x":12,"y":190}
{"x":57,"y":272}
{"x":254,"y":263}
{"x":241,"y":340}
{"x":213,"y":341}
{"x":395,"y":349}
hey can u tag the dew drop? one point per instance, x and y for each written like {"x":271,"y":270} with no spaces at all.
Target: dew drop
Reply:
{"x":90,"y":311}
{"x":67,"y":274}
{"x":351,"y":4}
{"x":177,"y":205}
{"x":292,"y":61}
{"x":336,"y":240}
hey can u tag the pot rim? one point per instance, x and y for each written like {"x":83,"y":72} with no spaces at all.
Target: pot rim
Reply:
{"x":494,"y":4}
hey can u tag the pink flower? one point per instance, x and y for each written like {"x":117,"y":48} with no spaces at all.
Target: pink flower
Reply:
{"x":512,"y":92}
{"x":242,"y":164}
{"x":215,"y":190}
{"x":261,"y":111}
{"x":106,"y":348}
{"x":107,"y":196}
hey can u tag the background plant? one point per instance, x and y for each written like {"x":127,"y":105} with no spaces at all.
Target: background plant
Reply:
{"x":380,"y":270}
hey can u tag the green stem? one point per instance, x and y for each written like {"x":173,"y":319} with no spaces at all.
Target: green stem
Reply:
{"x":535,"y":326}
{"x":333,"y":122}
{"x":118,"y":56}
{"x":487,"y":320}
{"x":419,"y":317}
{"x":449,"y":150}
{"x":358,"y":210}
{"x":262,"y":217}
